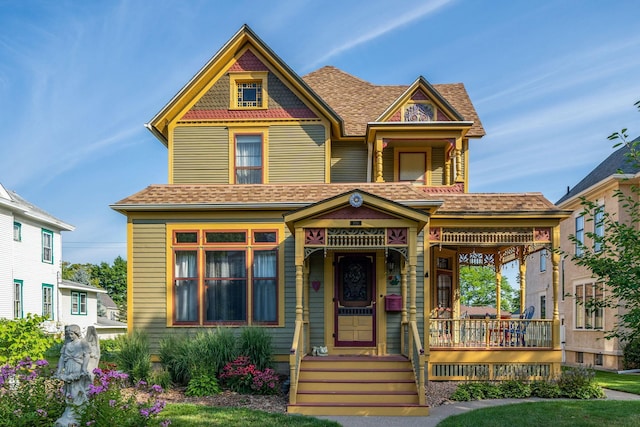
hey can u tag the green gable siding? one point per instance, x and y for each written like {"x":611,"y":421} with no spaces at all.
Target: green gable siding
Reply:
{"x":200,"y":155}
{"x":437,"y":166}
{"x":316,"y":300}
{"x":296,"y":154}
{"x":387,"y":165}
{"x":348,"y":162}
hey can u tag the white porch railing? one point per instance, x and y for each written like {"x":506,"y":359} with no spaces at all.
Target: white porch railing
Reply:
{"x":490,"y":333}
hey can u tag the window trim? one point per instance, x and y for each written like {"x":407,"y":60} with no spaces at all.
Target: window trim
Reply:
{"x":579,"y":234}
{"x":50,"y":288}
{"x":49,"y":233}
{"x":201,"y":249}
{"x":76,"y":296}
{"x":244,"y":77}
{"x":582,"y":312}
{"x":598,"y":226}
{"x":17,"y":229}
{"x":18,"y":288}
{"x":233,"y":164}
{"x":405,"y":150}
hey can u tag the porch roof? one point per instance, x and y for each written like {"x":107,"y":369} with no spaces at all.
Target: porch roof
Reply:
{"x":160,"y":197}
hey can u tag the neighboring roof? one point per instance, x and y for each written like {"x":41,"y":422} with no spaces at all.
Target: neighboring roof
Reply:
{"x":68,"y":284}
{"x":11,"y":200}
{"x":292,"y":196}
{"x":481,"y":310}
{"x":359,"y":102}
{"x":614,"y":164}
{"x":106,"y":323}
{"x":106,"y":301}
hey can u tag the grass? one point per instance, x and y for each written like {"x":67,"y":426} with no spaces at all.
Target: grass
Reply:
{"x":188,"y":415}
{"x":563,"y":413}
{"x":629,"y":383}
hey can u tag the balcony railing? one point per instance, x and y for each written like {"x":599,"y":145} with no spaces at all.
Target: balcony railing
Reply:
{"x":490,"y":333}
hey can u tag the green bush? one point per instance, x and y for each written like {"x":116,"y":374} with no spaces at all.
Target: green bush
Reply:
{"x":461,"y":395}
{"x":133,"y":356}
{"x":202,"y":384}
{"x":477,"y":391}
{"x":256,"y":344}
{"x":579,"y":383}
{"x":545,"y":389}
{"x":22,"y":338}
{"x":631,"y":354}
{"x":109,"y":350}
{"x":160,"y":377}
{"x":515,"y":389}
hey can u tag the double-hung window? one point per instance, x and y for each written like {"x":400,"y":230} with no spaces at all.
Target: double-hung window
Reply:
{"x":598,"y":228}
{"x":249,"y":159}
{"x":588,"y":306}
{"x":579,"y":235}
{"x":47,"y":301}
{"x":17,"y":231}
{"x":47,"y":246}
{"x":225,"y":277}
{"x":17,"y":299}
{"x":78,"y":303}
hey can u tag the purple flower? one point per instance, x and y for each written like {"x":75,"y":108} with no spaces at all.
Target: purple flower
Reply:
{"x":112,"y":403}
{"x":41,"y":362}
{"x":165,"y":423}
{"x":156,"y":388}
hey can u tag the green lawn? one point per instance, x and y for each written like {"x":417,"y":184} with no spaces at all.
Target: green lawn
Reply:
{"x":629,"y":383}
{"x":563,"y":413}
{"x":187,"y":415}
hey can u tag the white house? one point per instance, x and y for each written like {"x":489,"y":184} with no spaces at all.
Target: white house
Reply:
{"x":30,"y":258}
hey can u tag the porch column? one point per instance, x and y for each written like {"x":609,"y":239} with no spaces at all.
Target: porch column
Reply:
{"x":498,"y":289}
{"x":413,"y":260}
{"x":523,"y":284}
{"x":305,"y":301}
{"x":378,"y":154}
{"x":555,"y":261}
{"x":403,"y":289}
{"x":299,"y":272}
{"x":458,"y":154}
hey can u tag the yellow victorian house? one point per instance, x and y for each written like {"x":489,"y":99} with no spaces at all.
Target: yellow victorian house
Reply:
{"x":335,"y":213}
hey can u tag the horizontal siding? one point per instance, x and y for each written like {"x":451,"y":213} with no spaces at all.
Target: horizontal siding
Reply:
{"x":316,"y":300}
{"x":296,"y":154}
{"x":437,"y":166}
{"x":388,"y":165}
{"x":348,"y":162}
{"x":201,"y":155}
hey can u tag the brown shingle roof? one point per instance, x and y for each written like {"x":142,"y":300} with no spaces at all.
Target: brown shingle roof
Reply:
{"x":170,"y":196}
{"x":359,"y":102}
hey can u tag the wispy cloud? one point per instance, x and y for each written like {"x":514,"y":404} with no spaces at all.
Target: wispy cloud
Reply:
{"x":388,"y":24}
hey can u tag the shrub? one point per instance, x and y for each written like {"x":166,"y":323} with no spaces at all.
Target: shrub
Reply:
{"x":631,"y":354}
{"x":461,"y":395}
{"x":255,"y":343}
{"x":515,"y":389}
{"x":160,"y":377}
{"x":202,"y":384}
{"x":22,"y":338}
{"x":244,"y":377}
{"x":109,"y":350}
{"x":579,"y":383}
{"x":545,"y":389}
{"x":107,"y":405}
{"x":476,"y":391}
{"x":133,"y":355}
{"x":28,"y":396}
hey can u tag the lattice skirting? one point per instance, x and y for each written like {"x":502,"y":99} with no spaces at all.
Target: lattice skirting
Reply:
{"x":490,"y":371}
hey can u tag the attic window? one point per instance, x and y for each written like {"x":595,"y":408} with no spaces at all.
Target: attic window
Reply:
{"x":419,"y":113}
{"x":248,"y":90}
{"x":249,"y":94}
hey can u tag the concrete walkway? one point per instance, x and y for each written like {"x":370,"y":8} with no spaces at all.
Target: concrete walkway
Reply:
{"x":439,"y":413}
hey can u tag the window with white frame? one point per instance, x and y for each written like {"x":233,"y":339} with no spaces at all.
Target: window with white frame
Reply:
{"x":598,"y":228}
{"x":543,"y":260}
{"x":47,"y":246}
{"x":17,"y":299}
{"x":78,"y":303}
{"x":47,"y":301}
{"x":238,"y":280}
{"x":579,"y":235}
{"x":248,"y":155}
{"x":588,"y":306}
{"x":17,"y":231}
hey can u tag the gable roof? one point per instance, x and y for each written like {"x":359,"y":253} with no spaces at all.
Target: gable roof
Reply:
{"x":15,"y":203}
{"x":77,"y":286}
{"x":614,"y":164}
{"x":106,"y":301}
{"x":359,"y":102}
{"x":169,"y":197}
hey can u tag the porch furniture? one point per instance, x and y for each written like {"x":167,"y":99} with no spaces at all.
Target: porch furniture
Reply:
{"x":521,"y":328}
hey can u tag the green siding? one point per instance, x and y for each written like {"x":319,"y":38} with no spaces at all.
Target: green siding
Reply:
{"x":348,"y":162}
{"x":437,"y":166}
{"x":200,"y":155}
{"x":387,"y":165}
{"x":316,"y":300}
{"x":296,"y":154}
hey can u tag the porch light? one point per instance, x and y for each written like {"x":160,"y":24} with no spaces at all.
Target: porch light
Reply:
{"x":391,"y":265}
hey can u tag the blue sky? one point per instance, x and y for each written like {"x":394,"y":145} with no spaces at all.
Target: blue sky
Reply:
{"x":78,"y":80}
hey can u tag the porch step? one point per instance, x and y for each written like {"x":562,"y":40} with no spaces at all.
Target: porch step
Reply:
{"x":357,"y":385}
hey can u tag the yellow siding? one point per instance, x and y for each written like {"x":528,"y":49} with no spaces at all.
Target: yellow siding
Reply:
{"x":200,"y":155}
{"x":296,"y":154}
{"x":149,"y":280}
{"x":348,"y":162}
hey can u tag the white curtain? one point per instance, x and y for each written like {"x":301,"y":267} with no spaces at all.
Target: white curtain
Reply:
{"x":264,"y":286}
{"x":248,"y":159}
{"x":186,"y":292}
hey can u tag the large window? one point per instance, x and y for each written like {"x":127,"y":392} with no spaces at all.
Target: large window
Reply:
{"x":598,"y":228}
{"x":579,"y":235}
{"x":413,"y":167}
{"x":17,"y":299}
{"x":588,"y":308}
{"x":78,"y":303}
{"x":47,"y":301}
{"x":47,"y":246}
{"x":225,"y":277}
{"x":248,"y":155}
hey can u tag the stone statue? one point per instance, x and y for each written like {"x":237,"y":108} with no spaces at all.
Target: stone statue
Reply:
{"x":78,"y":358}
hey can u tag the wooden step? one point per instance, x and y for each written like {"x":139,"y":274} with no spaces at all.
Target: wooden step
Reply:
{"x":355,"y":385}
{"x":380,"y":410}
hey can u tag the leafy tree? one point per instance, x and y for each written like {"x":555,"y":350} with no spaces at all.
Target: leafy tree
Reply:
{"x":614,"y":257}
{"x":478,"y":288}
{"x":113,"y":278}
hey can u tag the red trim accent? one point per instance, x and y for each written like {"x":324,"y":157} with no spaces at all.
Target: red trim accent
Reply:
{"x":248,"y":62}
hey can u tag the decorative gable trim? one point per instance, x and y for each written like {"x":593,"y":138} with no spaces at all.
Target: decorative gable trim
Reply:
{"x":248,"y":62}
